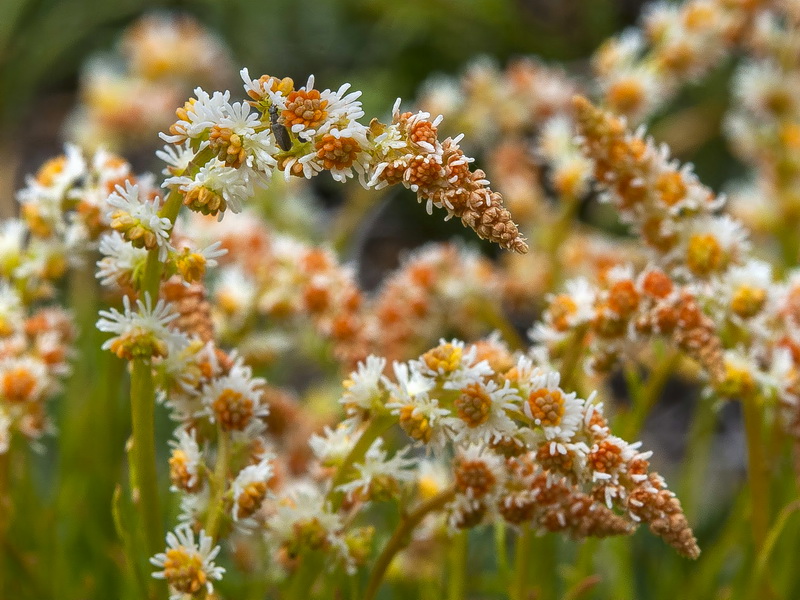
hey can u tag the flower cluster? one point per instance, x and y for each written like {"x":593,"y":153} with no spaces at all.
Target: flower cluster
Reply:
{"x":234,"y":147}
{"x":61,"y":215}
{"x":525,"y":450}
{"x":34,"y":354}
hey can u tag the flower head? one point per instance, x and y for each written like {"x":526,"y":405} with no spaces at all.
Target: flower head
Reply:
{"x":188,"y":566}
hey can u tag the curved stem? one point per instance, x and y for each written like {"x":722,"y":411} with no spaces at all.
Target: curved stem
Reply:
{"x":377,"y":426}
{"x":217,"y":504}
{"x":143,"y":454}
{"x":399,"y":538}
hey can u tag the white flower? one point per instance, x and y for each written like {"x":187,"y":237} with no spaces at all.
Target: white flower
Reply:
{"x":130,"y":200}
{"x":376,"y":465}
{"x":12,"y":244}
{"x":48,"y":196}
{"x":5,"y":431}
{"x":410,"y":399}
{"x":464,"y":370}
{"x":188,"y":566}
{"x":121,"y":259}
{"x":238,"y":388}
{"x":301,"y":506}
{"x":261,"y":472}
{"x":363,"y":387}
{"x":204,"y":113}
{"x":235,"y":293}
{"x":230,"y":183}
{"x":11,"y":311}
{"x":333,"y":445}
{"x":493,"y":422}
{"x":558,"y":414}
{"x":567,"y":310}
{"x":186,"y":444}
{"x":177,"y":157}
{"x":259,"y":146}
{"x":146,"y":319}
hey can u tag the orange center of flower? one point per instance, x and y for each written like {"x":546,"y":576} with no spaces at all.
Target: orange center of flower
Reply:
{"x":474,"y":405}
{"x":251,"y":498}
{"x":747,"y":301}
{"x":546,"y":406}
{"x":417,"y":426}
{"x":18,"y":385}
{"x":305,"y":108}
{"x":671,"y":188}
{"x":337,"y":153}
{"x":626,"y":96}
{"x":474,"y":476}
{"x":233,"y":410}
{"x":184,"y":571}
{"x":606,"y":457}
{"x":445,"y":358}
{"x":623,"y":298}
{"x":704,"y":254}
{"x":561,"y":309}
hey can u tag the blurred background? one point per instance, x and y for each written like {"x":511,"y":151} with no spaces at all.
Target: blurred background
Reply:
{"x":49,"y":48}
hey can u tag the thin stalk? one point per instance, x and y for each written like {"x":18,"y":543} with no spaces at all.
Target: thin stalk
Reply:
{"x":144,"y":475}
{"x":500,"y":551}
{"x":143,"y":456}
{"x":494,"y":317}
{"x":758,"y":478}
{"x":519,"y":585}
{"x":757,"y":472}
{"x":304,"y":577}
{"x":375,"y":429}
{"x":558,"y":233}
{"x":457,"y":578}
{"x":572,"y":358}
{"x":5,"y":514}
{"x":650,"y":393}
{"x":698,"y":447}
{"x":400,"y":538}
{"x":219,"y":481}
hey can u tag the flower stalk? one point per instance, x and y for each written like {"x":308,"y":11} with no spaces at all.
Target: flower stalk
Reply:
{"x":399,"y":538}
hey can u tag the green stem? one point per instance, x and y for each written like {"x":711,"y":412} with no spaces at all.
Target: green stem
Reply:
{"x":305,"y":576}
{"x":456,"y":583}
{"x":375,"y":429}
{"x":143,"y":455}
{"x":500,"y":549}
{"x":400,"y":537}
{"x":5,"y":514}
{"x":218,"y":485}
{"x":572,"y":358}
{"x":650,"y":394}
{"x":558,"y":233}
{"x":494,"y":317}
{"x":519,"y":585}
{"x":758,"y":477}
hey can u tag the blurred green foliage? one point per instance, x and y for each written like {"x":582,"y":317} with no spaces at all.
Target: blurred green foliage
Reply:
{"x":386,"y":48}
